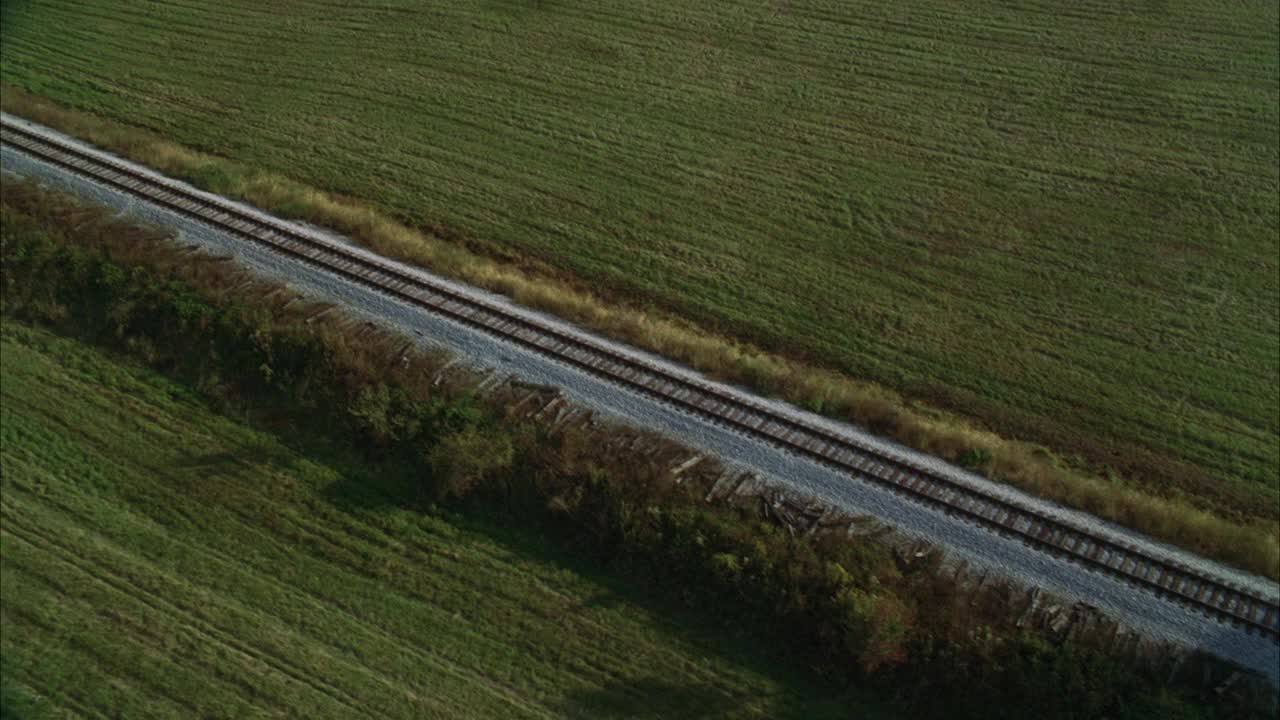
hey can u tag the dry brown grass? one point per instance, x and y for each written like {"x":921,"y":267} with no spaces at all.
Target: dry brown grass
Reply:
{"x":1252,"y":545}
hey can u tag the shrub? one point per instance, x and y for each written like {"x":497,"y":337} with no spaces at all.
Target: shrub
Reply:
{"x":974,"y":457}
{"x":464,"y":458}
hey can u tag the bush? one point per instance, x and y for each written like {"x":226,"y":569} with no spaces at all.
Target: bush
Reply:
{"x":463,"y":459}
{"x":974,"y":458}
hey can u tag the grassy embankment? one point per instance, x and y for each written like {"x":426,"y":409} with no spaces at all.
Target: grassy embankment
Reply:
{"x":840,"y":606}
{"x":1056,"y":223}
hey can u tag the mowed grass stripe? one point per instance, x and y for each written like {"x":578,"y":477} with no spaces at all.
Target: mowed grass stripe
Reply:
{"x":214,"y":63}
{"x":159,"y":641}
{"x":301,"y":663}
{"x":48,"y":525}
{"x":455,"y":158}
{"x":281,"y":598}
{"x":222,"y":532}
{"x":250,"y":36}
{"x":837,"y":32}
{"x":111,"y":678}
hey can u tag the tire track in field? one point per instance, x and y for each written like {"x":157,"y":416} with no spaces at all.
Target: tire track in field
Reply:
{"x":931,"y":85}
{"x":29,"y":682}
{"x":204,"y":628}
{"x":250,"y":526}
{"x":268,"y":576}
{"x":84,"y":649}
{"x":176,"y":617}
{"x":734,"y":220}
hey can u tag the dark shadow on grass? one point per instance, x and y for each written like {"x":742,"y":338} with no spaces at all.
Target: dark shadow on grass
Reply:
{"x":604,"y":600}
{"x":369,"y":482}
{"x":372,"y":481}
{"x":649,"y":698}
{"x":376,"y":484}
{"x":801,"y":693}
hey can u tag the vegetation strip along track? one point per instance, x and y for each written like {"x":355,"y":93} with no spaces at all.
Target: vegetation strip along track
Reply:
{"x":1215,"y":597}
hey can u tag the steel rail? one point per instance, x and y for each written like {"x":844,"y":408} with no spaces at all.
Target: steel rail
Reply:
{"x":1215,"y":597}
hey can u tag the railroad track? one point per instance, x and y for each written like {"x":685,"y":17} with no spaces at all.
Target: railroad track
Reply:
{"x":1214,"y":597}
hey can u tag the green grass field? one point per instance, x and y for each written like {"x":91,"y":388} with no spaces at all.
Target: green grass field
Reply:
{"x":1060,"y":219}
{"x":160,"y":560}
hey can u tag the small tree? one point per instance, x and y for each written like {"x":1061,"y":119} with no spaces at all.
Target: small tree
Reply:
{"x":461,"y":459}
{"x":876,"y":627}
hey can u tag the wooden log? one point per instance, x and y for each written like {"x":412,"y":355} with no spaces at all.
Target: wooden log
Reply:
{"x":514,"y":408}
{"x":723,"y":478}
{"x":324,"y":310}
{"x":1033,"y":604}
{"x":440,"y":373}
{"x":681,"y":468}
